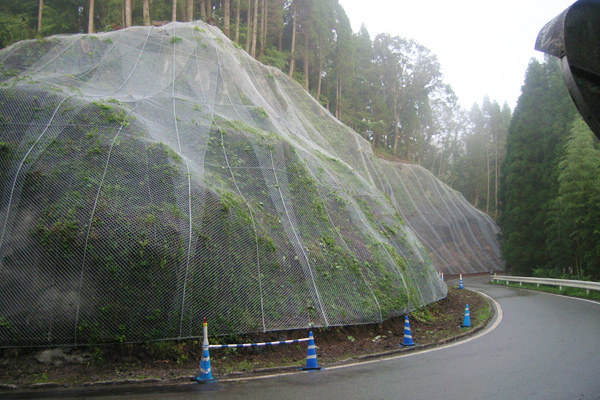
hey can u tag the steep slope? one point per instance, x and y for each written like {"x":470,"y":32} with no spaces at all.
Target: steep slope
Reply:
{"x":153,"y":176}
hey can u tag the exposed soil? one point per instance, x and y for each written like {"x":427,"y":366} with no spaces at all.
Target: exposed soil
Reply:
{"x":171,"y":361}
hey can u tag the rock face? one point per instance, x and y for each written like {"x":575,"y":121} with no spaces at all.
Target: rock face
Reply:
{"x":153,"y":176}
{"x":60,"y":356}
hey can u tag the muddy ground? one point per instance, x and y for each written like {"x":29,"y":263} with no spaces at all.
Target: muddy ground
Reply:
{"x":172,"y":361}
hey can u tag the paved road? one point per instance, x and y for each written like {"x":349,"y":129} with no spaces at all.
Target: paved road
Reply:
{"x":545,"y":347}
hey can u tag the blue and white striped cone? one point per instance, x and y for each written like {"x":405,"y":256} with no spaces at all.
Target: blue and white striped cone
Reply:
{"x":205,"y":368}
{"x":311,"y":355}
{"x":408,"y":340}
{"x":460,"y":282}
{"x":467,"y":320}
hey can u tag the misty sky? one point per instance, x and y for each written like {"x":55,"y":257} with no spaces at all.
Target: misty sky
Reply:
{"x":483,"y":46}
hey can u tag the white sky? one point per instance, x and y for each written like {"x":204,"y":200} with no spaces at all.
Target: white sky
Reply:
{"x":483,"y":46}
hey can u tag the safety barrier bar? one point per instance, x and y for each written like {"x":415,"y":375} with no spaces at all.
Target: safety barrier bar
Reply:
{"x":221,"y":346}
{"x":205,"y":374}
{"x":548,"y":281}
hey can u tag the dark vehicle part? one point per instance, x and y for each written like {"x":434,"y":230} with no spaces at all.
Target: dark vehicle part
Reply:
{"x":574,"y":37}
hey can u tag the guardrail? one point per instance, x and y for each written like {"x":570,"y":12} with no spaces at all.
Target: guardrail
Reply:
{"x":587,"y":285}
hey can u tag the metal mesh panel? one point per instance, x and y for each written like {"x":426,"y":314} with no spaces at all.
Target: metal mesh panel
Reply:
{"x":153,"y":176}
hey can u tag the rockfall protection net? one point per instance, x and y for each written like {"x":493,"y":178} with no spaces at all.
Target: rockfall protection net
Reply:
{"x":153,"y":176}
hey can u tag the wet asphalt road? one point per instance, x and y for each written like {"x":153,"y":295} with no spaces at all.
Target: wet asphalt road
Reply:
{"x":544,"y":347}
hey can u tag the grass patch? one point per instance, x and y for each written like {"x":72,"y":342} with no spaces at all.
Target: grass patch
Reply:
{"x":482,"y":314}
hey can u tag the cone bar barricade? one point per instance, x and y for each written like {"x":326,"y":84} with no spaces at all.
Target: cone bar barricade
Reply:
{"x":311,"y":355}
{"x":408,"y":340}
{"x":460,"y":282}
{"x":205,"y":368}
{"x":467,"y":320}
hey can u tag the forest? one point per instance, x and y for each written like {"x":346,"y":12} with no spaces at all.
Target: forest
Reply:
{"x":534,"y":170}
{"x":550,"y":183}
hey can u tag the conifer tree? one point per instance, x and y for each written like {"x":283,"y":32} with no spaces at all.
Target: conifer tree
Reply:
{"x":528,"y":186}
{"x":573,"y":234}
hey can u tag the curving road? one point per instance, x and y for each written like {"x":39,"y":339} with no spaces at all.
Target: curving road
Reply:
{"x":544,"y":347}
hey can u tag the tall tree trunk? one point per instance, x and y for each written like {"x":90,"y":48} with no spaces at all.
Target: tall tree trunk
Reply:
{"x":190,"y":10}
{"x":40,"y":12}
{"x":396,"y":117}
{"x":127,"y":13}
{"x":263,"y":28}
{"x":202,"y":10}
{"x":91,"y":18}
{"x":249,"y":27}
{"x":122,"y":13}
{"x":237,"y":20}
{"x":146,"y":12}
{"x":338,"y":98}
{"x":305,"y":63}
{"x":209,"y":10}
{"x":320,"y":74}
{"x":174,"y":14}
{"x":254,"y":28}
{"x":294,"y":28}
{"x":487,"y":196}
{"x":496,"y":171}
{"x":280,"y":40}
{"x":226,"y":16}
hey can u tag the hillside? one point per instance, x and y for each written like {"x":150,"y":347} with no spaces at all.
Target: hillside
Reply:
{"x":153,"y":176}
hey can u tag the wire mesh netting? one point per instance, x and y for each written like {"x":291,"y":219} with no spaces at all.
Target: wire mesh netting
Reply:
{"x":153,"y":176}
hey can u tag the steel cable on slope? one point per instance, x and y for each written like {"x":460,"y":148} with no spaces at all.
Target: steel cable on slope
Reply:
{"x":306,"y":259}
{"x":461,"y":215}
{"x":390,"y":258}
{"x":485,"y":221}
{"x":259,"y":89}
{"x":79,"y":290}
{"x":422,"y":237}
{"x":93,"y":68}
{"x":345,"y":244}
{"x":252,"y":218}
{"x":89,"y":226}
{"x":391,"y":210}
{"x":450,"y":223}
{"x":394,"y":201}
{"x":264,"y":169}
{"x":189,"y":187}
{"x":12,"y":189}
{"x":287,"y":127}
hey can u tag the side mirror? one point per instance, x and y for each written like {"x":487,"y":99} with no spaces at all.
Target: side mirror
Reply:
{"x":574,"y":37}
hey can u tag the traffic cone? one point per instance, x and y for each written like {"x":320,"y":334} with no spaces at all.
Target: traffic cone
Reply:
{"x":408,"y":340}
{"x":311,"y":355}
{"x":460,"y":282}
{"x":205,"y":369}
{"x":467,"y":320}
